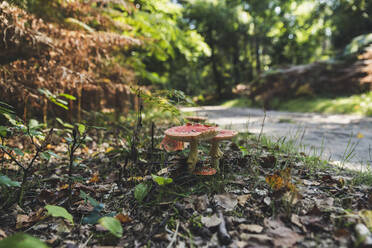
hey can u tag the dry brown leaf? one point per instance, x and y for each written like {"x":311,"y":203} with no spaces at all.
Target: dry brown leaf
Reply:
{"x":94,"y":178}
{"x":251,"y":228}
{"x":227,"y":201}
{"x":2,"y":234}
{"x":211,"y":221}
{"x":282,"y":235}
{"x":22,"y":221}
{"x":242,"y":199}
{"x":123,"y":218}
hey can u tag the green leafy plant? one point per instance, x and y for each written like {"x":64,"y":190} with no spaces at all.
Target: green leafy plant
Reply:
{"x":37,"y":138}
{"x":161,"y":181}
{"x":6,"y":108}
{"x":57,"y":211}
{"x":74,"y":140}
{"x":112,"y":225}
{"x":6,"y":181}
{"x":59,"y":100}
{"x":141,"y":190}
{"x":22,"y":240}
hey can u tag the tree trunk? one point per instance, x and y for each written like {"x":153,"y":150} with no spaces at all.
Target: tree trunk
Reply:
{"x":236,"y":62}
{"x":257,"y":50}
{"x":217,"y":77}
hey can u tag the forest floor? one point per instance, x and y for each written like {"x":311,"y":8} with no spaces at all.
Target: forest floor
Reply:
{"x":344,"y":139}
{"x":266,"y":195}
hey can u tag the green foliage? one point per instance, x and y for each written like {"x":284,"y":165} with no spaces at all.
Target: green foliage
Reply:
{"x":6,"y":108}
{"x":112,"y":225}
{"x":57,"y":99}
{"x":161,"y":180}
{"x":57,"y":211}
{"x":6,"y":181}
{"x":358,"y":43}
{"x":22,"y":240}
{"x":141,"y":190}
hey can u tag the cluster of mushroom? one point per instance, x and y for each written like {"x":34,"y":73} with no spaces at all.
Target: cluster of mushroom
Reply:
{"x":193,"y":133}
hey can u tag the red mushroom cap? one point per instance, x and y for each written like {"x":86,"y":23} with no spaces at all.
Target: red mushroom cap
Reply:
{"x":205,"y":171}
{"x":191,"y":132}
{"x":225,"y":135}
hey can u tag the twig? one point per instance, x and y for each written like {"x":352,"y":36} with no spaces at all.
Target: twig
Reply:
{"x":174,"y":235}
{"x":86,"y":242}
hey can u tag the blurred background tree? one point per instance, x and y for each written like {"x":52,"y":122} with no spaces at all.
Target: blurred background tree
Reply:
{"x":208,"y":47}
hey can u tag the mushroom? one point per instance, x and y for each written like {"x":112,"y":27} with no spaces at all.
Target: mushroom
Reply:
{"x":205,"y":171}
{"x":171,"y":145}
{"x":196,"y":119}
{"x":215,"y":151}
{"x":193,"y":134}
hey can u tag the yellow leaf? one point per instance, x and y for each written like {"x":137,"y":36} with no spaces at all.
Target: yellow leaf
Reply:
{"x":359,"y":136}
{"x":94,"y":178}
{"x":135,"y":179}
{"x":64,"y":186}
{"x":109,"y":149}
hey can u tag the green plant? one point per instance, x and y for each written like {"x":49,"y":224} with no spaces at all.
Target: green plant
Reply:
{"x":37,"y":138}
{"x":57,"y":211}
{"x":74,"y":140}
{"x":22,"y":240}
{"x":112,"y":225}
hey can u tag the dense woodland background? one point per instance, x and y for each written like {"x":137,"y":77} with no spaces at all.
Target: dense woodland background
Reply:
{"x":212,"y":49}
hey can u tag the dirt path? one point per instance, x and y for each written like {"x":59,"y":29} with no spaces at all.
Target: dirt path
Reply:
{"x":333,"y":137}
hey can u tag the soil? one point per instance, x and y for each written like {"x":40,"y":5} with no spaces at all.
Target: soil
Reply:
{"x":261,"y":197}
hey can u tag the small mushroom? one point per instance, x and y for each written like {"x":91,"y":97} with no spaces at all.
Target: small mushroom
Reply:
{"x":196,"y":119}
{"x":205,"y":171}
{"x":215,"y":151}
{"x":193,"y":134}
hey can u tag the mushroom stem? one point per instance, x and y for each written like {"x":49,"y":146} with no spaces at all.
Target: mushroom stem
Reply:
{"x":215,"y":154}
{"x":193,"y":155}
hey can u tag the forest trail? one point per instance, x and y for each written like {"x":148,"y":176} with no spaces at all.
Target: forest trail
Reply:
{"x":333,"y":137}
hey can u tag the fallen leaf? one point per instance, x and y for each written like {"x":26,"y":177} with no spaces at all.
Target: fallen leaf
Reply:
{"x":162,"y":171}
{"x":342,"y":233}
{"x":201,"y":203}
{"x":94,"y":178}
{"x":22,"y":221}
{"x":2,"y":234}
{"x":210,"y":221}
{"x":242,"y":199}
{"x":325,"y":203}
{"x":227,"y":201}
{"x":62,"y":187}
{"x":267,"y":201}
{"x":251,"y":228}
{"x":282,"y":235}
{"x":310,"y":183}
{"x":259,"y":237}
{"x":296,"y":220}
{"x":313,"y":218}
{"x":123,"y":218}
